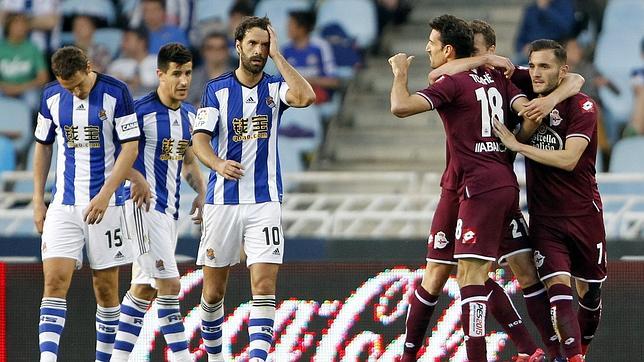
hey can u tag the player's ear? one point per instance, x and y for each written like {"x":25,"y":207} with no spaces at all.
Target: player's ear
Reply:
{"x":563,"y":70}
{"x":238,"y":46}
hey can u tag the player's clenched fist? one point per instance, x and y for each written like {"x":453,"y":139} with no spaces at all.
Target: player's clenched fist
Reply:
{"x":400,"y":63}
{"x":230,"y":170}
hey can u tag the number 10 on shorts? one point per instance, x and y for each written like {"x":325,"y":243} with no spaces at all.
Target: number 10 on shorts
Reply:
{"x":272,"y":235}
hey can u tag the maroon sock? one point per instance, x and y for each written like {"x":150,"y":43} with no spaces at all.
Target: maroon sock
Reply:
{"x":503,"y":311}
{"x":474,"y":306}
{"x":588,"y":315}
{"x":538,"y":305}
{"x":421,"y":307}
{"x":564,"y":319}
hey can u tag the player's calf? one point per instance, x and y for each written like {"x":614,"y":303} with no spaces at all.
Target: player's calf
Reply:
{"x":564,"y":319}
{"x":589,"y":313}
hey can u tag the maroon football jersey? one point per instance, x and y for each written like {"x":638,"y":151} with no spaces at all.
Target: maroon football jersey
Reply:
{"x":449,"y":180}
{"x":467,"y":103}
{"x":556,"y":192}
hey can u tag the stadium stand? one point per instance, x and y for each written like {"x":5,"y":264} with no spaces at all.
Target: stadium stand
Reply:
{"x":16,"y":119}
{"x":357,"y":17}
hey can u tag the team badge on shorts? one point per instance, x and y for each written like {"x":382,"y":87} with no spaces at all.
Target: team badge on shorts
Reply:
{"x":555,"y":118}
{"x":440,"y":240}
{"x":538,"y":258}
{"x":469,"y":236}
{"x":160,"y":265}
{"x":210,"y":253}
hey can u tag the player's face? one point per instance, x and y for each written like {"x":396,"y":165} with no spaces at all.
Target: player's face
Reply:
{"x":176,"y":80}
{"x":80,"y":84}
{"x":545,"y":71}
{"x":436,"y":50}
{"x":253,"y":50}
{"x":480,"y":46}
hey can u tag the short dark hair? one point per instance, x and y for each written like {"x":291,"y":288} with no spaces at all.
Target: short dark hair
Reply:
{"x":549,"y":44}
{"x":10,"y":18}
{"x":455,"y":32}
{"x":160,"y":2}
{"x":249,"y":23}
{"x":173,"y":52}
{"x":67,"y":61}
{"x":305,"y":19}
{"x":140,"y":33}
{"x":485,"y":29}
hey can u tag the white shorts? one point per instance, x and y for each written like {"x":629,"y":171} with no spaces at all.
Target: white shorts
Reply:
{"x":65,"y":233}
{"x":258,"y":227}
{"x":154,"y":239}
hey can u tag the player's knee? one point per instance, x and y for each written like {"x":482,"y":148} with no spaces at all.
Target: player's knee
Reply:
{"x":593,"y":297}
{"x":143,"y":291}
{"x":212,"y":295}
{"x":105,"y":291}
{"x":56,"y":286}
{"x":263,"y":286}
{"x":170,"y":286}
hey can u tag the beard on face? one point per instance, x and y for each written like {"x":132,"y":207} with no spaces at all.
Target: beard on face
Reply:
{"x":251,"y":67}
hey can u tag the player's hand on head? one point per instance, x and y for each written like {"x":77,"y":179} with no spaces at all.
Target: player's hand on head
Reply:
{"x":197,"y":209}
{"x":400,"y":62}
{"x":538,"y":108}
{"x":230,"y":170}
{"x":505,"y":135}
{"x":274,"y":47}
{"x":498,"y":61}
{"x":95,"y":211}
{"x":141,"y":194}
{"x":40,"y":210}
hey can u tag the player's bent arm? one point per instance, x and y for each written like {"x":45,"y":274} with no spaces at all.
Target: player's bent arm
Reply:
{"x":404,"y":104}
{"x":456,"y":66}
{"x":42,"y":163}
{"x":122,"y":166}
{"x":192,"y":173}
{"x":528,"y":126}
{"x":300,"y":92}
{"x":565,"y":159}
{"x":203,"y":150}
{"x":570,"y":85}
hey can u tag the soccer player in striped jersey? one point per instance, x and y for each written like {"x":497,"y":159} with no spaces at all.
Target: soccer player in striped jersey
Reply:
{"x":91,"y":118}
{"x":153,"y":207}
{"x":236,"y":137}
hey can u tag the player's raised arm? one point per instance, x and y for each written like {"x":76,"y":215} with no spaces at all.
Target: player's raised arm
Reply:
{"x":404,"y":104}
{"x":300,"y":93}
{"x":192,"y":174}
{"x":541,"y":107}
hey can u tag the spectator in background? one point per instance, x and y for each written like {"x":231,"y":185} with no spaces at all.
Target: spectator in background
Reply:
{"x":235,"y":15}
{"x":311,"y":55}
{"x":83,"y":28}
{"x":22,"y":65}
{"x":216,"y":61}
{"x":544,"y":19}
{"x":160,"y":32}
{"x":136,"y":66}
{"x":636,"y":125}
{"x":177,"y":12}
{"x":579,"y":64}
{"x":45,"y":20}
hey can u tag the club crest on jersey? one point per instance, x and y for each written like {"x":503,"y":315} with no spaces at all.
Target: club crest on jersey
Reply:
{"x":440,"y":240}
{"x":538,"y":258}
{"x":210,"y":253}
{"x":555,"y":118}
{"x":102,"y":115}
{"x":270,"y":102}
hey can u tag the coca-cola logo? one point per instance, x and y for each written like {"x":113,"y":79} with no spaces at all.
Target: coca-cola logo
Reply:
{"x":381,"y":300}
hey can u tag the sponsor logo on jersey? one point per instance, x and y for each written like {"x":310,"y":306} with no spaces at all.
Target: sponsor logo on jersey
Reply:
{"x":202,"y":117}
{"x":210,"y":253}
{"x":440,"y":240}
{"x":250,"y":100}
{"x":547,"y":139}
{"x":159,"y":265}
{"x":175,"y":123}
{"x":276,"y":252}
{"x":409,"y":345}
{"x":555,"y":118}
{"x":489,"y":146}
{"x":586,"y":106}
{"x":469,"y":236}
{"x":119,"y":255}
{"x":81,"y":107}
{"x":128,"y":126}
{"x":477,"y":319}
{"x":569,"y":341}
{"x":538,"y":258}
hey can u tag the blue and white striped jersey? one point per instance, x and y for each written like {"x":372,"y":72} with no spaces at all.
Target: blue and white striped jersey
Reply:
{"x":165,"y":136}
{"x":243,"y":124}
{"x":89,"y":133}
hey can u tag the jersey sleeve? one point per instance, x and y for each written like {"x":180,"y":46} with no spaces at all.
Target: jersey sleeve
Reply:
{"x":583,"y":113}
{"x":513,"y":92}
{"x":443,"y":91}
{"x":125,"y":119}
{"x":283,"y":89}
{"x":208,"y":115}
{"x":45,"y":128}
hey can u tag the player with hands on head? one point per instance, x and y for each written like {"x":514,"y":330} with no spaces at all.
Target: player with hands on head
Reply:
{"x":236,"y":137}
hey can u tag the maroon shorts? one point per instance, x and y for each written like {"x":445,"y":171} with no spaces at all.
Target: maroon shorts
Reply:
{"x":516,"y":239}
{"x":440,"y":245}
{"x":572,"y":245}
{"x":482,"y":222}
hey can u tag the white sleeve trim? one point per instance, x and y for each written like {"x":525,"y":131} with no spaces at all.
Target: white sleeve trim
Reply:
{"x":283,"y":89}
{"x":427,"y":98}
{"x":578,"y":135}
{"x":43,"y":125}
{"x":517,"y":97}
{"x":127,"y":127}
{"x":206,"y":119}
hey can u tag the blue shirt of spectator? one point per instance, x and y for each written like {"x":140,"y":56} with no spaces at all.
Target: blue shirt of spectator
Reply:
{"x":545,"y":19}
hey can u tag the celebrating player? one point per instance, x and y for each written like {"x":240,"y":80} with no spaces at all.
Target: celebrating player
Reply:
{"x":236,"y":137}
{"x":153,"y":209}
{"x":566,"y":221}
{"x":467,"y":102}
{"x":91,"y":118}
